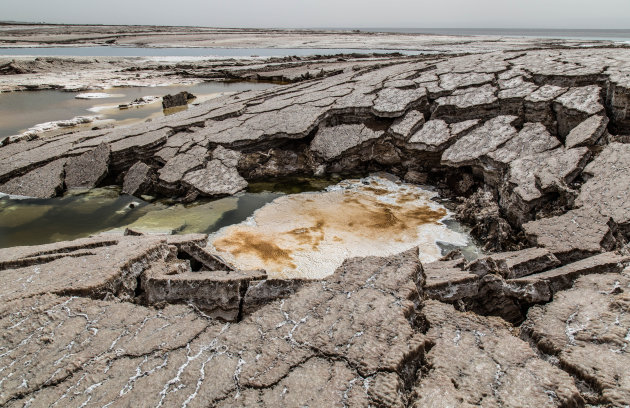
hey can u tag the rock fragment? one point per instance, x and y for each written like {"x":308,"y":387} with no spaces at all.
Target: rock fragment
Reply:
{"x":179,"y":99}
{"x":618,"y":94}
{"x":538,"y":106}
{"x":506,"y":284}
{"x":129,"y":149}
{"x":586,"y":328}
{"x":606,"y":190}
{"x":293,"y":122}
{"x":407,"y":125}
{"x":541,"y":287}
{"x":574,"y":235}
{"x":587,"y":132}
{"x":448,"y":282}
{"x":137,"y":180}
{"x":431,"y":137}
{"x":228,"y":157}
{"x":481,"y":141}
{"x":531,"y":139}
{"x":216,"y":293}
{"x":575,"y":106}
{"x":515,"y":264}
{"x":393,"y":102}
{"x":88,"y":169}
{"x":467,"y":103}
{"x":175,"y":169}
{"x":514,"y":90}
{"x":459,"y":128}
{"x":42,"y":182}
{"x":95,"y":267}
{"x":545,"y":93}
{"x":482,"y":210}
{"x":261,"y":292}
{"x":331,"y":142}
{"x":476,"y":360}
{"x":215,"y":179}
{"x":452,"y":81}
{"x":530,"y":178}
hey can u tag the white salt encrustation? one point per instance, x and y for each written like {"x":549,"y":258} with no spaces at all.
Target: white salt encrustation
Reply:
{"x":309,"y":235}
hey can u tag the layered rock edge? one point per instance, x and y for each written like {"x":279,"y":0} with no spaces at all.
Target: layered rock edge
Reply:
{"x":157,"y":321}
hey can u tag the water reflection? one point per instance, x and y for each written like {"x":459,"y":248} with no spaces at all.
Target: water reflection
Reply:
{"x":82,"y":213}
{"x":22,"y":110}
{"x":348,"y":218}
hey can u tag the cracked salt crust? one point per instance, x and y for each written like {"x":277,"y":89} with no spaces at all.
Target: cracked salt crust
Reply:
{"x":309,"y":235}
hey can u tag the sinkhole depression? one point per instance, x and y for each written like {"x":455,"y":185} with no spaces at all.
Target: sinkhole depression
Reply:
{"x":292,"y":229}
{"x":309,"y":235}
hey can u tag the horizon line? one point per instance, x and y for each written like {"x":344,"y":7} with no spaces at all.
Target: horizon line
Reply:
{"x":335,"y":28}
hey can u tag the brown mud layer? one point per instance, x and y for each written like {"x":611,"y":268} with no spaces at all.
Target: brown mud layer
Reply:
{"x":529,"y":144}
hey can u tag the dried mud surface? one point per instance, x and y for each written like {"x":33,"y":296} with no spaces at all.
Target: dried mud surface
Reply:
{"x":530,"y":145}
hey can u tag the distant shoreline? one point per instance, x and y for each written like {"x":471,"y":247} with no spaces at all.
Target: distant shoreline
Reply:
{"x":430,"y":41}
{"x":611,"y":34}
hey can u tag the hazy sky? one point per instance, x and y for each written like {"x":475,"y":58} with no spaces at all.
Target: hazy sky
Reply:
{"x":328,"y":13}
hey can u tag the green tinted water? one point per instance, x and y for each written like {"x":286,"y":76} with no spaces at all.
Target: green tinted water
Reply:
{"x":83,"y":213}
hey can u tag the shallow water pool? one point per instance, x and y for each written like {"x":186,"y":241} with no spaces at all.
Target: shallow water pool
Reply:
{"x":292,"y":228}
{"x":23,"y":110}
{"x":80,"y":213}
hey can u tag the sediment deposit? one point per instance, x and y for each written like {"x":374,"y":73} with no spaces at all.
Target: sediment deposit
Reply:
{"x":531,"y":146}
{"x":308,"y":236}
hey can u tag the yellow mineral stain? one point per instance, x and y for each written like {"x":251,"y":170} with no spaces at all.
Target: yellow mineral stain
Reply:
{"x":407,"y":198}
{"x":248,"y":243}
{"x":377,"y":191}
{"x":371,"y":216}
{"x":309,"y":235}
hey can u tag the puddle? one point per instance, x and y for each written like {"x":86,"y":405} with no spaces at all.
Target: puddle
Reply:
{"x":308,"y":235}
{"x":23,"y":110}
{"x":294,"y":227}
{"x":82,"y":213}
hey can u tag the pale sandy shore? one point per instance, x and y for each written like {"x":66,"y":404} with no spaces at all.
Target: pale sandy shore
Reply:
{"x":159,"y":36}
{"x":85,"y":73}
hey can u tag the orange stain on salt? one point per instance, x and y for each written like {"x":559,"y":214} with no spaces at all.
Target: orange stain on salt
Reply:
{"x":242,"y":243}
{"x":309,"y":219}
